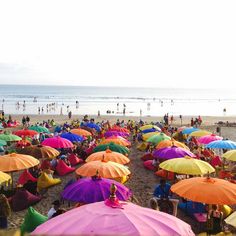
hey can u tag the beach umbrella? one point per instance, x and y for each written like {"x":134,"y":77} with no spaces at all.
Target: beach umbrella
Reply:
{"x":172,"y":152}
{"x":15,"y":162}
{"x":200,"y":133}
{"x":115,"y":133}
{"x":149,"y":130}
{"x":92,"y":126}
{"x":230,"y":155}
{"x":119,"y":129}
{"x":108,"y":169}
{"x":147,"y":127}
{"x":4,"y":178}
{"x":57,"y":142}
{"x":113,"y":147}
{"x":108,"y":155}
{"x":169,"y":143}
{"x":25,"y":132}
{"x":118,"y":218}
{"x":81,"y":132}
{"x":231,"y":220}
{"x":187,"y":166}
{"x":39,"y":129}
{"x":39,"y":151}
{"x":148,"y":135}
{"x":23,"y":143}
{"x":180,"y":129}
{"x":72,"y":137}
{"x":119,"y":141}
{"x":3,"y":143}
{"x":208,"y":138}
{"x":94,"y":189}
{"x":9,"y":137}
{"x":189,"y":130}
{"x":206,"y":190}
{"x":222,"y":144}
{"x":157,"y":138}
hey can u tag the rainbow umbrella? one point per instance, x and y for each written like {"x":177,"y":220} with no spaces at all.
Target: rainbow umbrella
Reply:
{"x":222,"y":144}
{"x":172,"y":152}
{"x":39,"y":129}
{"x":189,"y":130}
{"x":72,"y":137}
{"x":157,"y":138}
{"x":113,"y":147}
{"x":9,"y":137}
{"x":114,"y":218}
{"x":94,"y":189}
{"x":57,"y":142}
{"x":208,"y":138}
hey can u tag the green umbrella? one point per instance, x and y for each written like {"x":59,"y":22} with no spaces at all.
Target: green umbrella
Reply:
{"x":39,"y":129}
{"x":3,"y":143}
{"x":113,"y":147}
{"x":8,"y":137}
{"x":157,"y":138}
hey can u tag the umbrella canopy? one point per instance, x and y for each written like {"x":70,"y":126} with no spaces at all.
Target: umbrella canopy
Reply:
{"x":39,"y":151}
{"x":149,"y":130}
{"x":4,"y":177}
{"x":189,"y":130}
{"x":206,"y":190}
{"x":15,"y":162}
{"x":169,"y":143}
{"x":23,"y":143}
{"x":108,"y":155}
{"x":106,"y":169}
{"x":224,"y":144}
{"x":3,"y":143}
{"x":25,"y":132}
{"x":101,"y":219}
{"x":119,"y":141}
{"x":200,"y":133}
{"x":187,"y":166}
{"x":9,"y":137}
{"x":119,"y":129}
{"x":150,"y":134}
{"x":115,"y":133}
{"x":57,"y":142}
{"x":146,"y":127}
{"x":93,"y":126}
{"x":231,"y":220}
{"x":230,"y":155}
{"x":72,"y":137}
{"x":39,"y":129}
{"x":113,"y":147}
{"x":95,"y":189}
{"x":172,"y":152}
{"x":157,"y":138}
{"x":81,"y":132}
{"x":208,"y":138}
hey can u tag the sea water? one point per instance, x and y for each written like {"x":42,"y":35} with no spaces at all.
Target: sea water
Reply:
{"x":33,"y":99}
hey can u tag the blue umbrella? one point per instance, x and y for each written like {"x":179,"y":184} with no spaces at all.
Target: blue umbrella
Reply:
{"x":149,"y":130}
{"x":189,"y":130}
{"x":224,"y":144}
{"x":93,"y":126}
{"x":72,"y":137}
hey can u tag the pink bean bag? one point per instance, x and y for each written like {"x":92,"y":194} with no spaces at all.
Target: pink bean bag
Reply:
{"x":63,"y":169}
{"x":74,"y":160}
{"x":25,"y":177}
{"x":216,"y":161}
{"x":148,"y":165}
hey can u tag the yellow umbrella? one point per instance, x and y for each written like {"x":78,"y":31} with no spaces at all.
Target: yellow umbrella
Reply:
{"x":108,"y":169}
{"x":200,"y":133}
{"x":230,"y":155}
{"x":148,"y":135}
{"x":4,"y":178}
{"x":15,"y":162}
{"x":108,"y":155}
{"x":144,"y":127}
{"x":231,"y":220}
{"x":187,"y":166}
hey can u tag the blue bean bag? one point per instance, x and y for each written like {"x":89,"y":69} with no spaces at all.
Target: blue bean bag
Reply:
{"x":191,"y":208}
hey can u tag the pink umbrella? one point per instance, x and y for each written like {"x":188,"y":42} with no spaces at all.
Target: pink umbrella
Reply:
{"x":114,"y":218}
{"x":209,"y":138}
{"x":57,"y":142}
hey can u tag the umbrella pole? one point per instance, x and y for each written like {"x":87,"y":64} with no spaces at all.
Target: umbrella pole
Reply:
{"x":12,"y":180}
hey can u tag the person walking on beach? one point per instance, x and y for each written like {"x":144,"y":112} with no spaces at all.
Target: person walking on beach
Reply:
{"x":70,"y":114}
{"x":5,"y":211}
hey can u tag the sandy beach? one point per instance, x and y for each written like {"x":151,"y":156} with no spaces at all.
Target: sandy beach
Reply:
{"x":142,"y":181}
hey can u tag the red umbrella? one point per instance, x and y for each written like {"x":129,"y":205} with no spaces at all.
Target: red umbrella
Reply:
{"x":25,"y":132}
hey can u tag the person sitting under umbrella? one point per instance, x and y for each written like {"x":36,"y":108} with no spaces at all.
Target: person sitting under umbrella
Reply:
{"x":162,"y":190}
{"x":56,"y":205}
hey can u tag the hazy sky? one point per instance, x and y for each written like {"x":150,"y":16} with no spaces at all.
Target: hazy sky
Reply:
{"x":130,"y":43}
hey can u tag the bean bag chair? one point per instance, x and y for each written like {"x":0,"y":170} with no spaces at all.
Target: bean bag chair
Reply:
{"x":32,"y":220}
{"x":225,"y":174}
{"x":22,"y":199}
{"x":90,"y":149}
{"x":25,"y":177}
{"x":122,"y":180}
{"x":147,"y":156}
{"x":74,"y":160}
{"x":191,"y":208}
{"x":142,"y":146}
{"x":148,"y":165}
{"x":44,"y":181}
{"x":45,"y":165}
{"x":216,"y":161}
{"x":219,"y":234}
{"x":165,"y":174}
{"x":62,"y":168}
{"x":226,"y":210}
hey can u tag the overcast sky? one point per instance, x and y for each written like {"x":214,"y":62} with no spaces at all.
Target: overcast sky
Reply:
{"x":126,"y":43}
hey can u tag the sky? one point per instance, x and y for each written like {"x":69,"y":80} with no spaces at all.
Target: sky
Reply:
{"x":118,"y":43}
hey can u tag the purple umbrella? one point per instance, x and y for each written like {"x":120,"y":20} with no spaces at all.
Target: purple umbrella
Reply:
{"x":89,"y":190}
{"x":115,"y":133}
{"x":172,"y":152}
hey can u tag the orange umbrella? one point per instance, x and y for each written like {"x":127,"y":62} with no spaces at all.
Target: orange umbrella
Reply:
{"x":15,"y":162}
{"x":108,"y":155}
{"x":121,"y":142}
{"x":108,"y":169}
{"x":81,"y":132}
{"x":169,"y":143}
{"x":206,"y":190}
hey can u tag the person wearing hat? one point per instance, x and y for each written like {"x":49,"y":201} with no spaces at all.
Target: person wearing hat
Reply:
{"x":56,"y":205}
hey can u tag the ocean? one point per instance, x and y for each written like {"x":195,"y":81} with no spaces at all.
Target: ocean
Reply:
{"x":32,"y":99}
